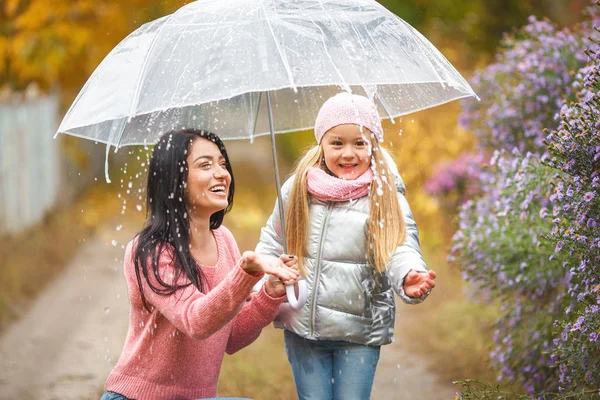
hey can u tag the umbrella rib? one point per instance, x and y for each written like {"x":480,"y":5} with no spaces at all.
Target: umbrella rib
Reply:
{"x":387,"y":111}
{"x":283,"y":59}
{"x":373,"y":44}
{"x":138,"y":85}
{"x":344,"y":84}
{"x":419,"y":42}
{"x":348,"y":58}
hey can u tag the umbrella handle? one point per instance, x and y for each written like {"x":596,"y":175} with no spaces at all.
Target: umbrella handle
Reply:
{"x":297,"y":303}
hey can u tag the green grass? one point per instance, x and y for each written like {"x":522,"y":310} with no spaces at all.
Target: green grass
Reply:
{"x":260,"y":371}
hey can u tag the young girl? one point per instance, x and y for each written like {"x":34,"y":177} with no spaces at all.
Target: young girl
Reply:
{"x":348,"y":219}
{"x":188,"y":284}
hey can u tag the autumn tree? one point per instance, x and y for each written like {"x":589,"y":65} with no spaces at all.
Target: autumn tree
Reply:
{"x":468,"y":32}
{"x":61,"y":42}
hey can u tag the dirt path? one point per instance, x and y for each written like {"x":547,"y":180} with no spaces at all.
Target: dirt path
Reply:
{"x":402,"y":375}
{"x":67,"y":344}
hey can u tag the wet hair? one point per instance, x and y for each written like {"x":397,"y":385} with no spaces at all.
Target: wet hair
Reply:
{"x":167,"y":227}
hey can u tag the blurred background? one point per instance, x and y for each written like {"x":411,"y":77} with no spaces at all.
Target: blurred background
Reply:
{"x":54,"y":198}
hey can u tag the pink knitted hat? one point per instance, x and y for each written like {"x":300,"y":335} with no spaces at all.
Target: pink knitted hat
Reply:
{"x":346,"y":108}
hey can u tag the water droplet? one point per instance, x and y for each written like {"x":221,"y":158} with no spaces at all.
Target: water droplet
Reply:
{"x":118,"y":228}
{"x":114,"y":243}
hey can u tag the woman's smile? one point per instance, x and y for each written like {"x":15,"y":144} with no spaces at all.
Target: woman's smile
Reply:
{"x":219,"y":190}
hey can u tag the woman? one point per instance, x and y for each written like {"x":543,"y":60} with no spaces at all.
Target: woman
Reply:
{"x":189,"y":287}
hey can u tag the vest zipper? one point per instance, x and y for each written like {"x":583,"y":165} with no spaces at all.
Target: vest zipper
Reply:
{"x":318,"y":271}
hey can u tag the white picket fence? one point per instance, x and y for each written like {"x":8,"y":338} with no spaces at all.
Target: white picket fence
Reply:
{"x":29,"y":161}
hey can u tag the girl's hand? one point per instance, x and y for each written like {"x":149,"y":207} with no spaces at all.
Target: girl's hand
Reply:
{"x":254,"y":263}
{"x":274,"y":286}
{"x":416,"y":284}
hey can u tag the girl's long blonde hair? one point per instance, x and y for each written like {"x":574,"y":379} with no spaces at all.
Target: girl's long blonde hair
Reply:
{"x":387,"y":228}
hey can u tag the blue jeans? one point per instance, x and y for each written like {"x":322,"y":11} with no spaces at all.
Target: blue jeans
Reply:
{"x":112,"y":396}
{"x":331,"y":369}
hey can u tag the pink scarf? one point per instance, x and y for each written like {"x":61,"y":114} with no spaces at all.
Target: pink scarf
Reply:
{"x":326,"y":187}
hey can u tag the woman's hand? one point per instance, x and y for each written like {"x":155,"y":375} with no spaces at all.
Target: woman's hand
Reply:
{"x":274,"y":286}
{"x":254,"y":263}
{"x":416,"y":284}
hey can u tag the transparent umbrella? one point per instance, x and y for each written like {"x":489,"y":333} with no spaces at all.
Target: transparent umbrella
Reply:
{"x":244,"y":68}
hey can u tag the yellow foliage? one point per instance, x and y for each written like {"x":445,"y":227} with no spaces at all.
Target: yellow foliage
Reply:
{"x":419,"y":142}
{"x":61,"y":43}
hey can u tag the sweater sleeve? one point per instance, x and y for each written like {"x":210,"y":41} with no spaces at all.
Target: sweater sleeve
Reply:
{"x":196,"y":314}
{"x":257,"y":313}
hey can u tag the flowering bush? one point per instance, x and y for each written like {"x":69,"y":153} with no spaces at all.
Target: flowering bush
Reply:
{"x":525,"y":88}
{"x":575,"y":150}
{"x":455,"y":181}
{"x":522,"y":93}
{"x":500,"y":248}
{"x":532,"y":239}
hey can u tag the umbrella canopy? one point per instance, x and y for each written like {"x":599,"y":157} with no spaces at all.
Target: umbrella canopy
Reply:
{"x":210,"y":64}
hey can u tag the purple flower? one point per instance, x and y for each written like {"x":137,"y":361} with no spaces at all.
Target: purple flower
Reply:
{"x":570,"y":191}
{"x":589,"y":196}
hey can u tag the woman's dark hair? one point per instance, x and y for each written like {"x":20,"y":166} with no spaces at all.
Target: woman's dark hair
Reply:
{"x":167,"y":217}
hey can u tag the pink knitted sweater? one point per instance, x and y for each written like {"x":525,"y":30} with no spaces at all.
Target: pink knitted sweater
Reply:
{"x":176,"y":351}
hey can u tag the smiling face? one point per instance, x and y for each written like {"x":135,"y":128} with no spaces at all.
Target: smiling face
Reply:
{"x":347,"y":151}
{"x":208,"y":180}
